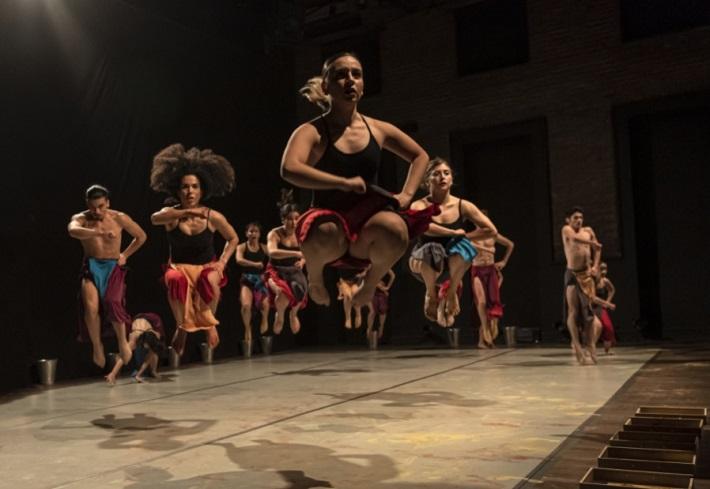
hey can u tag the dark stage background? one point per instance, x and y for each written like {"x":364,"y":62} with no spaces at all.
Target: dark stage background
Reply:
{"x":90,"y":91}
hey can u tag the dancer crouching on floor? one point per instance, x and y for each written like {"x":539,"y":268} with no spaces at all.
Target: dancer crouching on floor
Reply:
{"x":146,"y":341}
{"x":337,"y":155}
{"x":251,"y":257}
{"x":446,"y":246}
{"x":194,"y":276}
{"x":284,"y":274}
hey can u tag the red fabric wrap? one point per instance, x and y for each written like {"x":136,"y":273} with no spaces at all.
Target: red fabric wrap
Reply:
{"x":608,"y":333}
{"x":488,"y":275}
{"x":273,"y":274}
{"x":112,"y":308}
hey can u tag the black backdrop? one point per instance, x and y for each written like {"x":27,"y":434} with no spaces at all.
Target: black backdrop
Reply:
{"x":90,"y":91}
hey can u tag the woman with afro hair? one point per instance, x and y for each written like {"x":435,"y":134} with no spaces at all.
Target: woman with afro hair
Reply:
{"x":194,"y":274}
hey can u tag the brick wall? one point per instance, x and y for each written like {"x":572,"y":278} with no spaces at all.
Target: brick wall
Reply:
{"x":578,"y":70}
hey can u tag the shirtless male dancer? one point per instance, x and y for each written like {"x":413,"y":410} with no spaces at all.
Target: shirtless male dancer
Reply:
{"x":583,"y":254}
{"x":103,"y":288}
{"x":486,"y":279}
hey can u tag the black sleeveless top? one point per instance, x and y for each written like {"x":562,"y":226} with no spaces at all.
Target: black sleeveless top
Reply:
{"x":257,"y":256}
{"x":285,"y":262}
{"x":364,"y":163}
{"x":196,"y":249}
{"x":457,"y":224}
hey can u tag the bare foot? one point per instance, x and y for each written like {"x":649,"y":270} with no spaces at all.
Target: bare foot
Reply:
{"x":278,"y":322}
{"x":212,"y":337}
{"x":348,"y":323}
{"x":178,"y":342}
{"x":592,"y":350}
{"x":431,"y":307}
{"x":441,"y":314}
{"x":264,"y":326}
{"x":99,"y":357}
{"x":139,"y":379}
{"x":293,"y":320}
{"x":452,"y":302}
{"x":578,"y":352}
{"x":482,"y":346}
{"x":318,"y":293}
{"x":110,"y":379}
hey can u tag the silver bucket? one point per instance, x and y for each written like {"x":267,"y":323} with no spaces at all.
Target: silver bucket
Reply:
{"x":510,"y":336}
{"x":206,"y":352}
{"x":373,"y":339}
{"x":173,"y":358}
{"x":246,"y":348}
{"x":47,"y":369}
{"x":111,"y":359}
{"x":266,"y":343}
{"x":453,"y":336}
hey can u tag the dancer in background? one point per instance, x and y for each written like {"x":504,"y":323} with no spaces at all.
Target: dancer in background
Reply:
{"x":380,"y":304}
{"x":583,"y":255}
{"x":252,"y":256}
{"x":337,"y":155}
{"x":102,"y":297}
{"x":445,"y":247}
{"x":288,"y":287}
{"x":606,"y":292}
{"x":194,"y":274}
{"x":348,"y":284}
{"x":486,"y":280}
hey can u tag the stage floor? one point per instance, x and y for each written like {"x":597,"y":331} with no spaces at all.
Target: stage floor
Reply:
{"x":389,"y":419}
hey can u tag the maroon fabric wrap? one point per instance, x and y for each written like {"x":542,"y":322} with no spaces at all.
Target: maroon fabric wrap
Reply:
{"x":488,"y":275}
{"x":112,"y":308}
{"x":154,"y":320}
{"x":380,"y":302}
{"x":356,"y":216}
{"x":273,"y":274}
{"x":608,"y":333}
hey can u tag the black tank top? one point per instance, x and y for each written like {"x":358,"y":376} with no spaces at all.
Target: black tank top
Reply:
{"x":457,"y":224}
{"x":257,"y":256}
{"x":364,"y":163}
{"x":285,"y":262}
{"x":196,"y":249}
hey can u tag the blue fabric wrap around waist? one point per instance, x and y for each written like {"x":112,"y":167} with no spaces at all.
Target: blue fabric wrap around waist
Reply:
{"x":101,"y":270}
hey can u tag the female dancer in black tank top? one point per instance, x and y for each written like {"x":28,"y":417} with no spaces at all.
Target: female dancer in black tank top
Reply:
{"x":284,"y":274}
{"x":446,"y":243}
{"x":337,"y":155}
{"x":194,"y":275}
{"x":251,"y":257}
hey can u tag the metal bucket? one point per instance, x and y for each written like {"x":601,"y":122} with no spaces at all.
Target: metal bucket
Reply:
{"x":206,"y":353}
{"x":453,"y":336}
{"x":373,"y":340}
{"x":266,"y":344}
{"x":47,"y":369}
{"x":173,"y":358}
{"x":510,"y":336}
{"x":246,"y":348}
{"x":111,"y":359}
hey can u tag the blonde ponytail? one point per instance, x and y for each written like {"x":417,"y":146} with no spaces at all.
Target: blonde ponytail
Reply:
{"x":313,"y":91}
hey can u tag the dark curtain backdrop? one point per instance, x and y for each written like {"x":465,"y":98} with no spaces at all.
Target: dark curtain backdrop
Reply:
{"x":91,"y":90}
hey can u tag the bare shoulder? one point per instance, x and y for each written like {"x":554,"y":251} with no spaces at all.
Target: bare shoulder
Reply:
{"x":420,"y":204}
{"x":309,"y":131}
{"x":567,"y":230}
{"x":79,"y":217}
{"x":118,"y":216}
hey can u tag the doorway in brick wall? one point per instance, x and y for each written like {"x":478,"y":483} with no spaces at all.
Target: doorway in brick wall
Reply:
{"x":504,"y":169}
{"x":664,"y":152}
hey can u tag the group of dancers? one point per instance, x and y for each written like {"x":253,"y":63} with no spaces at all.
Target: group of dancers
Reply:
{"x":351,"y":225}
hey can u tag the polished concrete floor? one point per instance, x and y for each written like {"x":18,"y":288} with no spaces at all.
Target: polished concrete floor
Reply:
{"x":389,"y":419}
